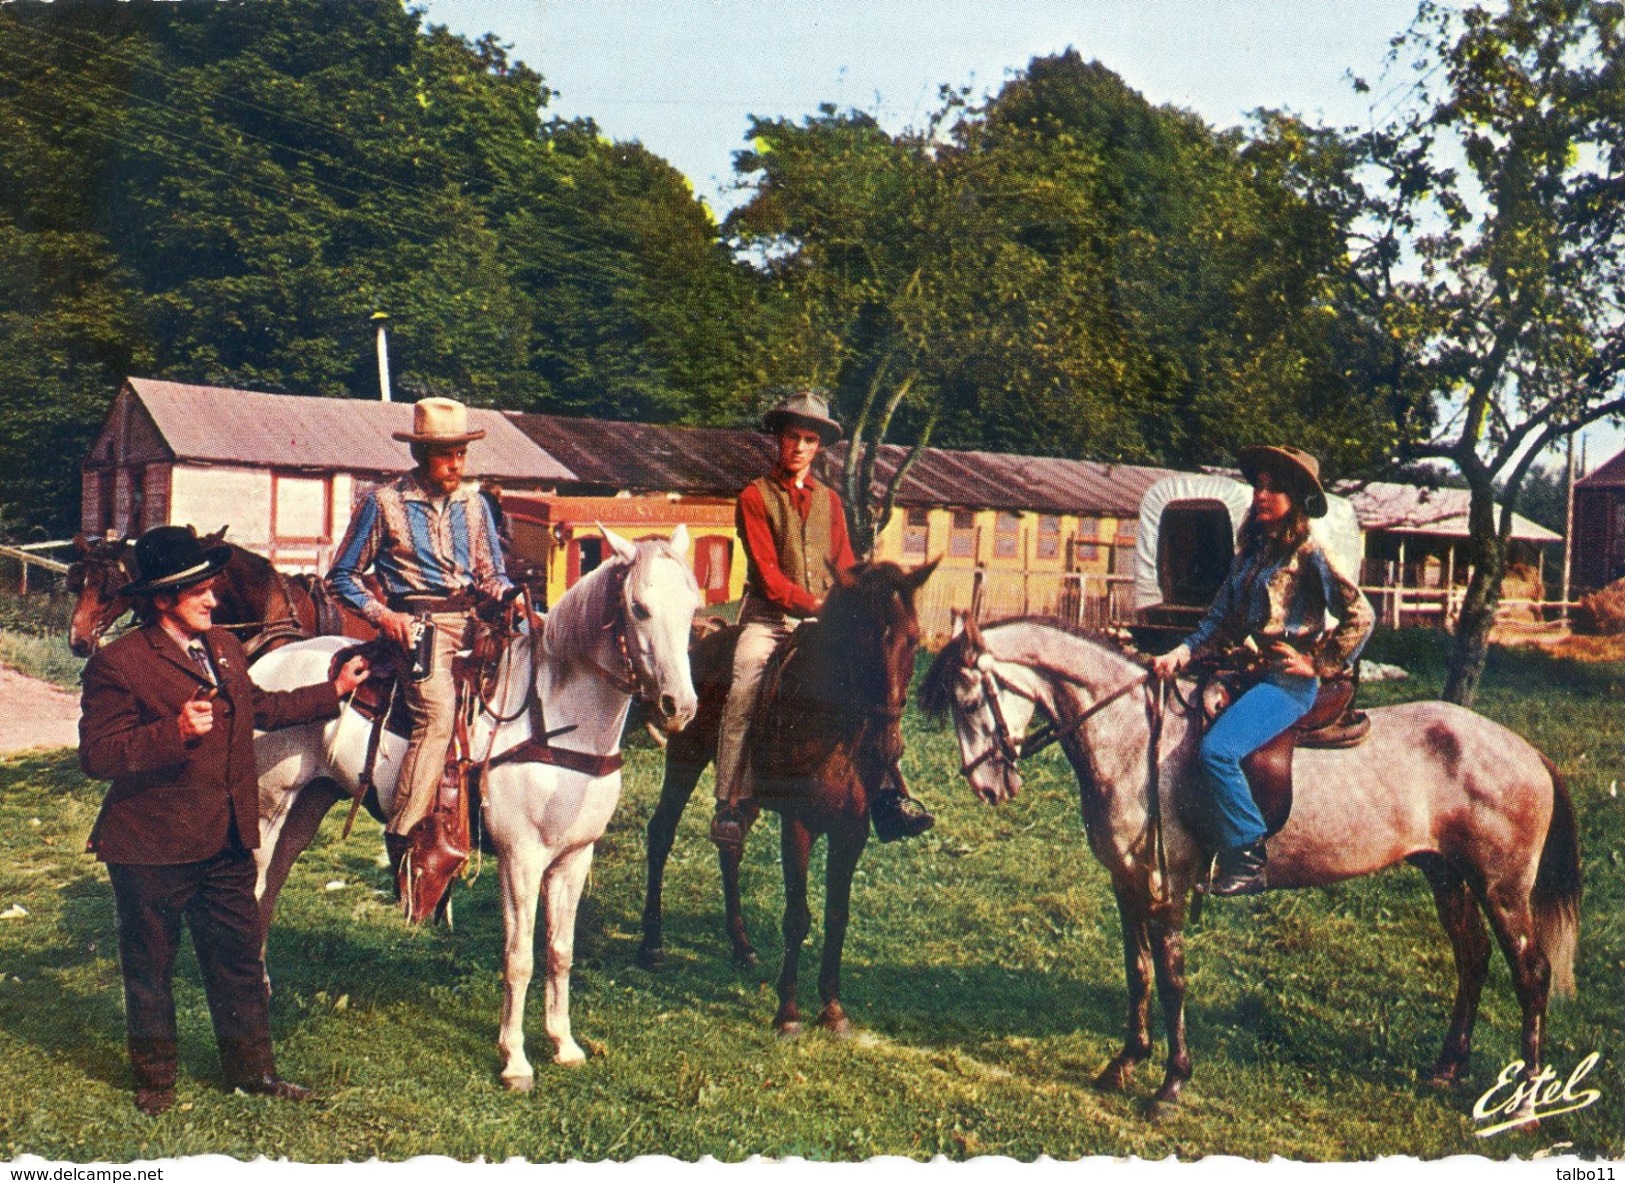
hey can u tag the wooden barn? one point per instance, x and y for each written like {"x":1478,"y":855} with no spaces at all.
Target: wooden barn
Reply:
{"x":1598,"y":554}
{"x":1415,"y":568}
{"x":282,"y":472}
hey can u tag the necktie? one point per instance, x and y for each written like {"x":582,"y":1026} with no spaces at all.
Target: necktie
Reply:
{"x":200,"y":658}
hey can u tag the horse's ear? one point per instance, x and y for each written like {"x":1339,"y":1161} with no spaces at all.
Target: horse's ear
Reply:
{"x":846,"y":578}
{"x":623,"y":549}
{"x":216,"y":538}
{"x":916,"y":578}
{"x":81,"y":545}
{"x":679,"y":540}
{"x":958,"y":617}
{"x":973,"y":633}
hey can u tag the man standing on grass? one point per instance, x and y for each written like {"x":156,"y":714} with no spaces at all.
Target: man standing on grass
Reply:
{"x":168,"y":715}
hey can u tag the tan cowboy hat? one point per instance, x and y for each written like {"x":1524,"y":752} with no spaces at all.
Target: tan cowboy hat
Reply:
{"x":439,"y":421}
{"x":172,"y":558}
{"x":1297,"y":468}
{"x":804,"y":408}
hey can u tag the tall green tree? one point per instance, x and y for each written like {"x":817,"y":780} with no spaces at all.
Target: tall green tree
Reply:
{"x":1495,"y":256}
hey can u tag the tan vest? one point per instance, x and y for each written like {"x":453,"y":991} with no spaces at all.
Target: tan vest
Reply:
{"x":803,"y":547}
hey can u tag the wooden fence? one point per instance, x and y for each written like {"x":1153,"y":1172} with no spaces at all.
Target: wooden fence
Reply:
{"x":28,"y":557}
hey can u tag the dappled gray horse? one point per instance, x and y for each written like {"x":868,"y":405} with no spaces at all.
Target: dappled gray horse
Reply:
{"x":1480,"y":812}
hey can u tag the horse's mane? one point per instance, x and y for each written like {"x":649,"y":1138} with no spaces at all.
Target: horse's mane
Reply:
{"x":936,"y":688}
{"x":576,"y":623}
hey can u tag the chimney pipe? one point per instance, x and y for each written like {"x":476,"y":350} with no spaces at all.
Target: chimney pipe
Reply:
{"x":380,"y":320}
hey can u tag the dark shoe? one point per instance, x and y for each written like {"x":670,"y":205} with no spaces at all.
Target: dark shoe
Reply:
{"x":728,"y":829}
{"x":896,"y":816}
{"x":396,"y":846}
{"x":273,"y":1086}
{"x":154,"y":1101}
{"x":1241,"y":872}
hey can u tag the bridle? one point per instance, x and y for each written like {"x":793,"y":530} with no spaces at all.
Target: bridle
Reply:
{"x":113,"y":605}
{"x":1010,"y":750}
{"x":633,"y":677}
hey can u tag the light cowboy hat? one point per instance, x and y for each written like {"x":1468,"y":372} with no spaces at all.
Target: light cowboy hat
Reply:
{"x":1297,"y":468}
{"x":804,"y":408}
{"x":171,"y":558}
{"x":439,"y":421}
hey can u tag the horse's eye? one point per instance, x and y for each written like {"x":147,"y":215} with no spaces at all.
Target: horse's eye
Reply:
{"x":640,"y":610}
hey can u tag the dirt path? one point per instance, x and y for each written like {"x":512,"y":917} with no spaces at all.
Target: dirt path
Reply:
{"x":35,"y":714}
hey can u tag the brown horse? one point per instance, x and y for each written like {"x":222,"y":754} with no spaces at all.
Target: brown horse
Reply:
{"x":825,"y":734}
{"x":1482,"y":814}
{"x":256,"y":601}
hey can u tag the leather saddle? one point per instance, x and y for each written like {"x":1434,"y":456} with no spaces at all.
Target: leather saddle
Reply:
{"x":1331,"y":723}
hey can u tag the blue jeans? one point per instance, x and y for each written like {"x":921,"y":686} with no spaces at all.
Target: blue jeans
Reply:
{"x":1254,"y":719}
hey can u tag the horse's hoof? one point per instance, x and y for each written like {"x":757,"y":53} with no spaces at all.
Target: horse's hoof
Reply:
{"x":835,"y":1021}
{"x":1446,"y":1076}
{"x":571,"y":1057}
{"x":519,"y":1084}
{"x":651,"y":957}
{"x":1112,"y":1080}
{"x":745,"y":957}
{"x":790,"y":1029}
{"x":1166,"y":1097}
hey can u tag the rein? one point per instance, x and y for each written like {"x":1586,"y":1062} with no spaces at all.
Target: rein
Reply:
{"x":1013,"y":750}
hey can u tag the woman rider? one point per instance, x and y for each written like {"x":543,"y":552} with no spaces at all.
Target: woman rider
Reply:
{"x":1281,"y":586}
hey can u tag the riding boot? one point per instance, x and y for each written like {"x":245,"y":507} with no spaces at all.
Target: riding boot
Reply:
{"x":1241,"y":871}
{"x":896,"y":816}
{"x":396,"y":846}
{"x":728,"y":827}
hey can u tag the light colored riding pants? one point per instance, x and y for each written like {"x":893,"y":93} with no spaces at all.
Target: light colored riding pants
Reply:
{"x":757,"y":640}
{"x":432,"y":705}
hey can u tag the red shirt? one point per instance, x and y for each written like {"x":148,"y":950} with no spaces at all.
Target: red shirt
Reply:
{"x":779,"y":588}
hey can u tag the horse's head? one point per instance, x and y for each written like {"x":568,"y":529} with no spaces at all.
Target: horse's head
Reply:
{"x":991,"y":705}
{"x":102,"y":567}
{"x":658,"y":600}
{"x":871,"y":609}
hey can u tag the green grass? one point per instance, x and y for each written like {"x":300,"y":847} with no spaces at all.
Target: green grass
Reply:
{"x":34,"y":636}
{"x":983,"y":970}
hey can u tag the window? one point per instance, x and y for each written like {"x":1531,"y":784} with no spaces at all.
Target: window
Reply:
{"x":962,"y":538}
{"x":1088,"y":527}
{"x":916,"y":531}
{"x":1007,"y":535}
{"x":1049,"y":536}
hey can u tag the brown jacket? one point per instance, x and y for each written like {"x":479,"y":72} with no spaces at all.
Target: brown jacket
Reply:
{"x":173,"y":801}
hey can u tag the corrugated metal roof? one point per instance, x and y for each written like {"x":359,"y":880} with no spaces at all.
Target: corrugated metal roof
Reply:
{"x":222,"y":426}
{"x":1609,"y":476}
{"x":648,"y":457}
{"x":1417,"y":510}
{"x":721,"y":461}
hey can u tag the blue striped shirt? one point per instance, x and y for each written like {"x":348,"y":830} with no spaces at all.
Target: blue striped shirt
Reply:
{"x":418,"y":545}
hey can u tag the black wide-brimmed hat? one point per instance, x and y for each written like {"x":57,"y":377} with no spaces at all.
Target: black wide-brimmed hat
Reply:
{"x":171,"y":558}
{"x":1298,"y":471}
{"x":804,"y":408}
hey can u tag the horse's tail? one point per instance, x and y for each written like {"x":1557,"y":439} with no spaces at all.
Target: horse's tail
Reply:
{"x":1556,"y":895}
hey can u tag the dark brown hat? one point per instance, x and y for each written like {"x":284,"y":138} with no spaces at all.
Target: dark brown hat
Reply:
{"x":171,"y":558}
{"x":1298,"y":471}
{"x":804,"y":408}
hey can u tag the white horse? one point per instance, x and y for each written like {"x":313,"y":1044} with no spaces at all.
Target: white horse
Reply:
{"x":622,"y":630}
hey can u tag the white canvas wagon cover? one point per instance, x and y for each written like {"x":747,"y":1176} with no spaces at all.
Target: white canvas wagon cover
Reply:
{"x":1339,"y":531}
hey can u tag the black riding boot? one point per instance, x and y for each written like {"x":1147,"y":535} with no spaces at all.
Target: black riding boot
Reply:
{"x":896,"y":816}
{"x":1241,"y":871}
